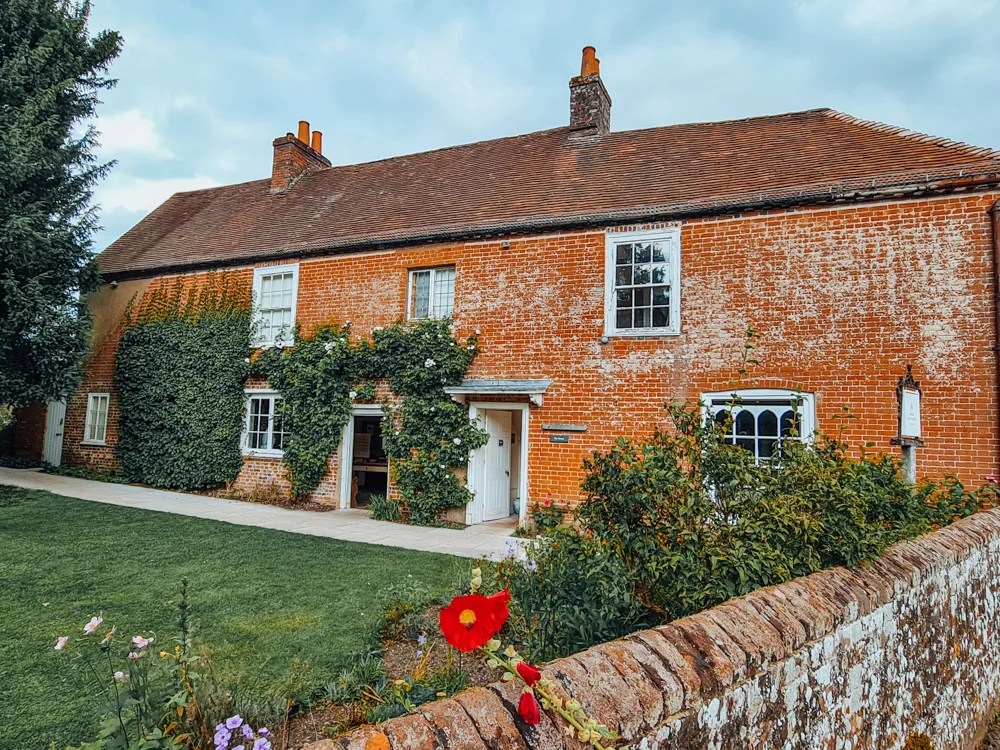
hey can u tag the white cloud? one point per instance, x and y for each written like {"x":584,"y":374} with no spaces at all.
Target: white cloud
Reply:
{"x":140,"y":194}
{"x":132,"y":131}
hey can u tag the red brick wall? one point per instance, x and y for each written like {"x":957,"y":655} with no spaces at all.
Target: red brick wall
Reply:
{"x":843,"y":299}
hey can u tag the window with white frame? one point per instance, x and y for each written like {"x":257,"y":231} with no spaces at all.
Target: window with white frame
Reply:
{"x":95,"y":429}
{"x":275,"y":289}
{"x":431,"y":293}
{"x":266,"y":433}
{"x":642,"y":283}
{"x":759,"y":420}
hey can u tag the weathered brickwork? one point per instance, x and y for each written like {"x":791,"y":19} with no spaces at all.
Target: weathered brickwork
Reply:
{"x":844,"y":298}
{"x":840,"y":659}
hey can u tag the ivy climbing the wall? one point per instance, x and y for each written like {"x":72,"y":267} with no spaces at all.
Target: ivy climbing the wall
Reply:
{"x":315,"y":377}
{"x":427,"y":435}
{"x":181,"y":365}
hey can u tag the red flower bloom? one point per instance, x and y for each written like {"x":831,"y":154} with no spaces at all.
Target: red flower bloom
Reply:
{"x":528,"y":707}
{"x":471,"y":620}
{"x":529,"y":673}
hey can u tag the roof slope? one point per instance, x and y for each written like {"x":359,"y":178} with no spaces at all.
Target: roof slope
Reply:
{"x":544,"y":179}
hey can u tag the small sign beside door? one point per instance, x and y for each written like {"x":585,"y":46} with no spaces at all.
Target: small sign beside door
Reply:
{"x":558,"y":438}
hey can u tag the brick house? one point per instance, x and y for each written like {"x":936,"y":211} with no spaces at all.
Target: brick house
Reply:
{"x":607,"y":273}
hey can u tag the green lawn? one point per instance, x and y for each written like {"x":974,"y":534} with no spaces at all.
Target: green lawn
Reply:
{"x":259,"y":598}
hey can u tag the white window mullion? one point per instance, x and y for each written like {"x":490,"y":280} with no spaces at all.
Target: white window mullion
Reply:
{"x":275,"y":290}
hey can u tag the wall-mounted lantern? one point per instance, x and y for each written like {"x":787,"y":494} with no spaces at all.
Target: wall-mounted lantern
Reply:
{"x":908,"y":401}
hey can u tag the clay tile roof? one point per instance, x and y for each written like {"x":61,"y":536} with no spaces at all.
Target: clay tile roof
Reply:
{"x":540,"y":181}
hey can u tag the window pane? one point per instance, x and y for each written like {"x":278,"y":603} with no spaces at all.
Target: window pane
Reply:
{"x":661,"y":295}
{"x":642,"y":318}
{"x":766,"y":448}
{"x":624,"y":255}
{"x":661,"y":317}
{"x":744,"y":423}
{"x":659,"y":273}
{"x":767,"y":423}
{"x":643,"y":297}
{"x":789,"y":424}
{"x":623,"y":319}
{"x":642,"y":275}
{"x":421,"y":294}
{"x":623,"y":276}
{"x":624,"y":298}
{"x":444,"y":292}
{"x":659,"y":256}
{"x":643,"y":252}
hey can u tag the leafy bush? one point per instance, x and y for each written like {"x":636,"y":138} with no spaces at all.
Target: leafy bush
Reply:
{"x":381,"y":508}
{"x":696,"y":521}
{"x":547,"y":516}
{"x":181,"y":365}
{"x":568,"y":594}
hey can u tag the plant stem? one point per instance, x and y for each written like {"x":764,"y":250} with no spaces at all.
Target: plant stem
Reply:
{"x":118,"y":700}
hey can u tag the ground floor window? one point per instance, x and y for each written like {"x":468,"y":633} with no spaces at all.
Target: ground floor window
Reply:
{"x":758,"y":420}
{"x":265,"y":432}
{"x":96,"y":429}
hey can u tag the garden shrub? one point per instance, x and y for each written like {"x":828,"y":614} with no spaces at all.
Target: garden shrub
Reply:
{"x":696,"y":521}
{"x":181,"y":366}
{"x":568,"y":594}
{"x":381,"y":508}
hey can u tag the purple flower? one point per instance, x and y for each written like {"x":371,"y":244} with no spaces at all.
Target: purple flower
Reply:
{"x":261,"y":744}
{"x":240,"y":747}
{"x":222,"y":738}
{"x":419,"y":653}
{"x":422,"y":639}
{"x":247,"y":732}
{"x":234,"y":722}
{"x":91,"y":626}
{"x":263,"y":732}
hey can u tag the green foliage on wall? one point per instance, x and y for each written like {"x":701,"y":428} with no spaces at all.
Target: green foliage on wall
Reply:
{"x":315,"y":377}
{"x":180,"y":372}
{"x":427,"y":435}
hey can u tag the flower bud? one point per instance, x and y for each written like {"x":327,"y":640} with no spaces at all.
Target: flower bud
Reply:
{"x":572,"y":705}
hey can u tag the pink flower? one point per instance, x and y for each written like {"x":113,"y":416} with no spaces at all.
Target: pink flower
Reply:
{"x":120,"y":677}
{"x":110,"y":634}
{"x":61,"y":643}
{"x":990,"y":478}
{"x":141,"y":642}
{"x":134,"y":655}
{"x":94,"y":623}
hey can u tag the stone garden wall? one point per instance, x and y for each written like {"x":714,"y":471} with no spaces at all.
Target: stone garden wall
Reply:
{"x":839,"y":660}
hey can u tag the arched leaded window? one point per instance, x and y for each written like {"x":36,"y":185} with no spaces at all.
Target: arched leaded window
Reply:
{"x":759,"y":419}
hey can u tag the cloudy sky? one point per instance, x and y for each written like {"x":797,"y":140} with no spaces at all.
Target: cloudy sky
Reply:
{"x":205,"y":86}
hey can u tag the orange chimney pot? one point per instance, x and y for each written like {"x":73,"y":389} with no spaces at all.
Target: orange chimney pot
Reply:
{"x":303,"y":131}
{"x":590,"y":66}
{"x":317,"y":142}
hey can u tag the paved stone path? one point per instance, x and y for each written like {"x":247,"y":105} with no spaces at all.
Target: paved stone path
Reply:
{"x":489,"y":540}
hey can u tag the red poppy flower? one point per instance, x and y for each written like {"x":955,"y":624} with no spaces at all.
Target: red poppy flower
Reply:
{"x":471,"y":620}
{"x":528,"y":708}
{"x":529,"y":673}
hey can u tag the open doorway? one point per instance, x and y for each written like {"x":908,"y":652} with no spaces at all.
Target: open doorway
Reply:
{"x":365,"y":466}
{"x":498,"y":470}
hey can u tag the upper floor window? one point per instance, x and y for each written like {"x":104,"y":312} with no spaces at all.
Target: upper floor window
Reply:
{"x":759,"y":419}
{"x":432,"y":293}
{"x":275,"y":289}
{"x":642,"y":283}
{"x":266,"y":432}
{"x":95,"y":430}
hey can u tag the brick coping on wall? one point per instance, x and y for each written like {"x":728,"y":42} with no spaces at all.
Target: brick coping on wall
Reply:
{"x":684,"y":673}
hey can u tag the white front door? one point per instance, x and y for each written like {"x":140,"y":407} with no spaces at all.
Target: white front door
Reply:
{"x":495,"y":482}
{"x":55,"y":420}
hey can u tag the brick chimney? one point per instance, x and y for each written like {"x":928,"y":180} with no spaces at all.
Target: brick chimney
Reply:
{"x":589,"y":102}
{"x":293,"y":157}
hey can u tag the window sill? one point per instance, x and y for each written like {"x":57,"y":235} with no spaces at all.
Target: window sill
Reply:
{"x":95,"y":443}
{"x":652,"y":333}
{"x":263,"y":454}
